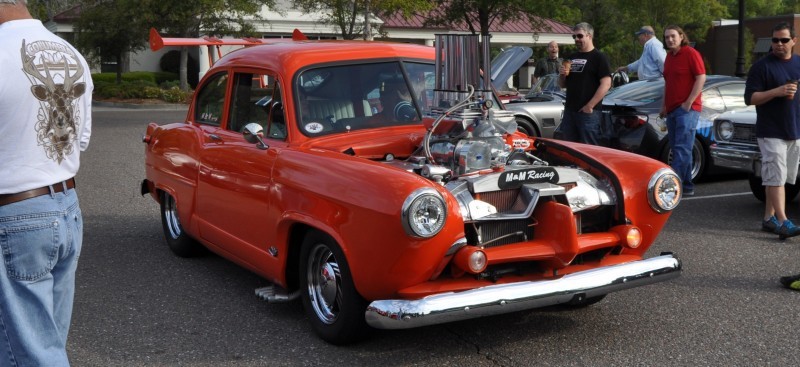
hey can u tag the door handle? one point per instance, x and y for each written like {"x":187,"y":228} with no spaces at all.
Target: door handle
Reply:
{"x":214,"y":137}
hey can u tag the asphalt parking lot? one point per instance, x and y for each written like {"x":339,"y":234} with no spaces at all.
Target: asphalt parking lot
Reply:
{"x":138,"y":305}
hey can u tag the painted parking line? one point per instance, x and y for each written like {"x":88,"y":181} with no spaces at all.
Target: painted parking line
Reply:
{"x":716,"y":196}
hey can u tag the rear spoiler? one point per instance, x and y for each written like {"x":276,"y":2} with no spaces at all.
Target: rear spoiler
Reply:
{"x":157,"y":42}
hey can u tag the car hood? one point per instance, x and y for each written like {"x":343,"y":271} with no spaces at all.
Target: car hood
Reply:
{"x":507,"y":63}
{"x":745,"y":116}
{"x":399,"y":141}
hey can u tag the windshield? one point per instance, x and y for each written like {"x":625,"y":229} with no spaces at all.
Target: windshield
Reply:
{"x":644,"y":91}
{"x":547,"y":83}
{"x":353,"y":97}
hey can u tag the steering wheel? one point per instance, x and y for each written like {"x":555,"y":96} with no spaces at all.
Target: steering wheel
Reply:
{"x":619,"y":78}
{"x":404,"y":112}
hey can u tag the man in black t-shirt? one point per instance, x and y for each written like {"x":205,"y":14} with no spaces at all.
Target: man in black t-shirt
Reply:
{"x":587,"y":80}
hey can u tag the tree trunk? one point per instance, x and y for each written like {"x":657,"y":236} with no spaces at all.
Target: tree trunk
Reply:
{"x":119,"y":68}
{"x":183,"y":71}
{"x":367,"y":25}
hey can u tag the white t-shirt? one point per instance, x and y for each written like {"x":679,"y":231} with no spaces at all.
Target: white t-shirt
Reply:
{"x":45,"y":107}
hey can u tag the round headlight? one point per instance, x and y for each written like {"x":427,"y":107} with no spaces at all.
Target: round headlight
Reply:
{"x":664,"y":190}
{"x":424,"y":213}
{"x":725,"y":130}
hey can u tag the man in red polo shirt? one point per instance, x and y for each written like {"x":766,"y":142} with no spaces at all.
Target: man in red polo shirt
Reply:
{"x":684,"y":76}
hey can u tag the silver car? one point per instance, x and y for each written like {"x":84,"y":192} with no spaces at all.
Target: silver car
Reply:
{"x":540,"y":111}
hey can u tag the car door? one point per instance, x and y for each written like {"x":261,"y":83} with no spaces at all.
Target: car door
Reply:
{"x":234,"y":185}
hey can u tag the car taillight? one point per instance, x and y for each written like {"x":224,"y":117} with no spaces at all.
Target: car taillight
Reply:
{"x":630,"y":121}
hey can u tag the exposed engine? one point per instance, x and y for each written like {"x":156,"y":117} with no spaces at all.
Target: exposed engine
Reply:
{"x":498,"y":186}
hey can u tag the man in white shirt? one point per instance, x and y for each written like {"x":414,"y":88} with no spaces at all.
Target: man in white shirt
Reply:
{"x":45,"y":109}
{"x":651,"y":64}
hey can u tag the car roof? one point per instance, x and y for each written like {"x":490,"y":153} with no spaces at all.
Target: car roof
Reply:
{"x":288,"y":56}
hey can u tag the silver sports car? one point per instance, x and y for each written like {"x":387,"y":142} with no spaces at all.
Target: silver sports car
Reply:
{"x":539,"y":112}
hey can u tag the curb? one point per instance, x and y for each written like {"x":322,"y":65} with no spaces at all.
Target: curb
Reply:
{"x":139,"y":106}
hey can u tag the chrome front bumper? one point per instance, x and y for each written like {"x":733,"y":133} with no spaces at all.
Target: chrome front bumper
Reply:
{"x":735,"y":157}
{"x":503,"y":298}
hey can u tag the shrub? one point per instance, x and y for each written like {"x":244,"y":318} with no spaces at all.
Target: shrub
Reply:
{"x":175,"y":95}
{"x":153,"y":77}
{"x":151,"y":92}
{"x":170,"y":84}
{"x":140,"y":85}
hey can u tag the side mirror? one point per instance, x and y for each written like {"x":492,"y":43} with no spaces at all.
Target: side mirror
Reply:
{"x":252,"y":134}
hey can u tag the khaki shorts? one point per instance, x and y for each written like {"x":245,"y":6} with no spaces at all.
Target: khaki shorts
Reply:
{"x":779,"y":160}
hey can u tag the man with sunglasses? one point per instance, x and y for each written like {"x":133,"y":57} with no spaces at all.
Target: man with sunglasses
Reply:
{"x":587,"y":81}
{"x":771,"y":87}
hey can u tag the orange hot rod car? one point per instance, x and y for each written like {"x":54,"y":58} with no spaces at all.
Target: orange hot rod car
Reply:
{"x":384,"y":187}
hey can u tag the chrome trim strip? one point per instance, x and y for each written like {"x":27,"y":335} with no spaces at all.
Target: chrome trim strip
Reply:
{"x":461,"y":242}
{"x":504,"y":298}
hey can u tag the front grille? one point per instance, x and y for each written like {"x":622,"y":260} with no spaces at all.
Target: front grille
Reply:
{"x":744,"y":134}
{"x":498,"y":233}
{"x":503,"y":200}
{"x":491,"y":234}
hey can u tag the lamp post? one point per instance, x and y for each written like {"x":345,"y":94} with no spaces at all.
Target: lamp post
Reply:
{"x":740,"y":54}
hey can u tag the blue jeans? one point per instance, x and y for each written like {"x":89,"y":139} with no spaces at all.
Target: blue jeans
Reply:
{"x":581,"y":127}
{"x":681,"y":127}
{"x":40,"y":239}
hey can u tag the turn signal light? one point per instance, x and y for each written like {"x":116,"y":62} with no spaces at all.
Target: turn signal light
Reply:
{"x":471,"y":259}
{"x":630,"y":236}
{"x":634,"y":237}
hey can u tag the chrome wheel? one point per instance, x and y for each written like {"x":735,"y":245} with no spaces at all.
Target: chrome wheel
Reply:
{"x":171,"y":217}
{"x":178,"y":240}
{"x":324,"y":283}
{"x":334,"y":307}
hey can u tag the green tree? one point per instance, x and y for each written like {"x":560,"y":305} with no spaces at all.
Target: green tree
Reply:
{"x":110,"y":29}
{"x":191,"y":18}
{"x":46,"y":9}
{"x":615,"y":21}
{"x":758,"y":8}
{"x":348,"y":15}
{"x":479,"y":15}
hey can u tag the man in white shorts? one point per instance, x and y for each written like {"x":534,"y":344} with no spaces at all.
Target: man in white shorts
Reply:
{"x":771,"y":86}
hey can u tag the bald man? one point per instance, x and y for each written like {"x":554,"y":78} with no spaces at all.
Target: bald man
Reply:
{"x":548,"y":65}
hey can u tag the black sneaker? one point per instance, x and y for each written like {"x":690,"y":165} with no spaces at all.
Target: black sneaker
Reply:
{"x":770,"y":225}
{"x":791,"y":282}
{"x":788,"y":229}
{"x":688,"y":192}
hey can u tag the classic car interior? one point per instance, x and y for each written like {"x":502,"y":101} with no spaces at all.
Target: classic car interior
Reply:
{"x":352,"y":97}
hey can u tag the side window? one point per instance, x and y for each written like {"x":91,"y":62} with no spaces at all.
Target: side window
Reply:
{"x":250,"y":103}
{"x":211,"y":100}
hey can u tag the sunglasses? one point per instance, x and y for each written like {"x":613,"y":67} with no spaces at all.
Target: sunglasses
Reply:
{"x":774,"y":40}
{"x":577,"y":36}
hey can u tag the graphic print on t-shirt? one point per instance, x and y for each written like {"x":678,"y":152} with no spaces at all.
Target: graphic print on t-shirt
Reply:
{"x":577,"y":65}
{"x":47,"y":63}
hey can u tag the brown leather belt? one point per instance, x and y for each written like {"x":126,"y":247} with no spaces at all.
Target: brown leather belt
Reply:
{"x":6,"y":199}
